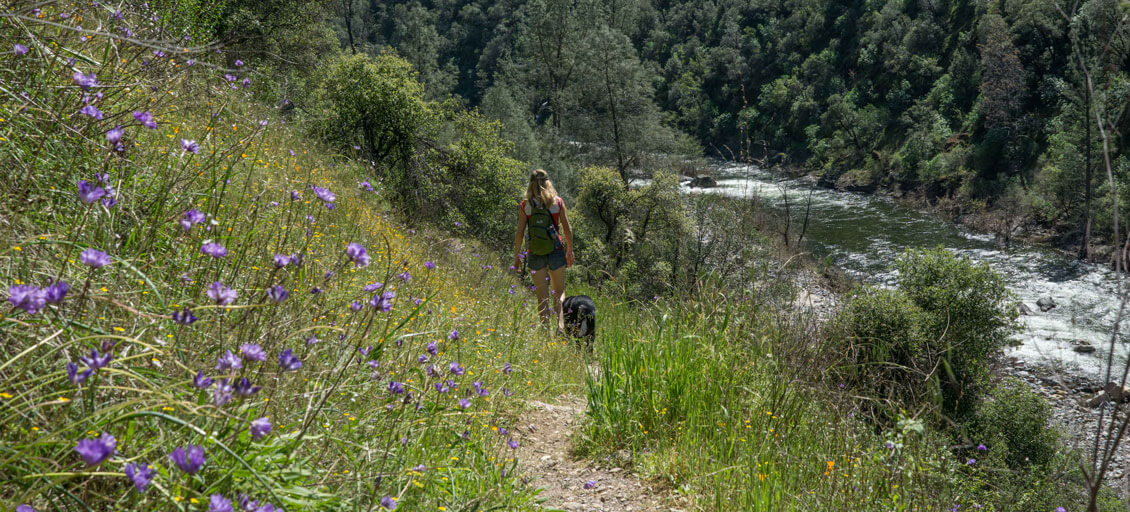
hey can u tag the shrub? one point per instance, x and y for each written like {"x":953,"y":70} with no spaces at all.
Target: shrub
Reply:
{"x":970,"y":316}
{"x":375,"y":103}
{"x":886,"y":345}
{"x":1013,"y":422}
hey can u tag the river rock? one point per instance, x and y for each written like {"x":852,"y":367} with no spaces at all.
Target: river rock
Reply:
{"x":1112,"y":392}
{"x":703,"y":181}
{"x":1082,"y":347}
{"x":1024,"y":309}
{"x":1046,"y":304}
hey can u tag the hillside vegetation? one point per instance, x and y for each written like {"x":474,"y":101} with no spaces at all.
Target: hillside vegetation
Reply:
{"x":966,"y":105}
{"x":219,"y":300}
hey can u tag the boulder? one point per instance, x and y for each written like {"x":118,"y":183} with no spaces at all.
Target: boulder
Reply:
{"x":703,"y":181}
{"x":1024,"y":309}
{"x":1082,"y":347}
{"x":1045,"y":304}
{"x":1112,"y":392}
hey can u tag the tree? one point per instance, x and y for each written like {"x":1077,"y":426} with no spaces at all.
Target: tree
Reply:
{"x":612,"y":104}
{"x":549,"y":49}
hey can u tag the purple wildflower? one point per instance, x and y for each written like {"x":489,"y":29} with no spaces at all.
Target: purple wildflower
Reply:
{"x":95,"y":451}
{"x":356,"y":305}
{"x":141,"y":474}
{"x":432,"y":349}
{"x":85,"y":81}
{"x":218,"y":503}
{"x":325,"y":195}
{"x":190,"y":146}
{"x":288,"y":361}
{"x":395,"y":387}
{"x":221,"y":294}
{"x":281,"y":260}
{"x":512,"y":443}
{"x":478,"y":385}
{"x":146,"y":119}
{"x":94,"y":258}
{"x":388,"y":503}
{"x":159,"y":54}
{"x":294,"y":194}
{"x":406,"y":276}
{"x":246,"y":82}
{"x":366,"y":185}
{"x":982,"y":448}
{"x":92,"y":111}
{"x":214,"y":250}
{"x":422,"y":359}
{"x":253,"y":352}
{"x":114,"y":136}
{"x":228,"y":361}
{"x":184,"y":317}
{"x":464,"y":403}
{"x":75,"y":376}
{"x":358,"y":254}
{"x":188,"y":458}
{"x":277,"y":293}
{"x":238,"y":63}
{"x":96,"y":361}
{"x":506,"y":368}
{"x":200,"y":381}
{"x":244,"y":387}
{"x":55,"y":292}
{"x":88,"y":192}
{"x":260,"y":428}
{"x":454,"y":335}
{"x":373,"y":287}
{"x":456,"y":368}
{"x":19,"y":49}
{"x":590,"y":484}
{"x":222,"y":394}
{"x":429,"y":265}
{"x":970,"y":462}
{"x":27,"y":297}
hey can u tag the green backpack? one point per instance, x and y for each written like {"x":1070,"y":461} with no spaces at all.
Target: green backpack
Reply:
{"x":540,"y":230}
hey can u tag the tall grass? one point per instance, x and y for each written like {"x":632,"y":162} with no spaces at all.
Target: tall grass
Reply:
{"x":725,"y":396}
{"x":405,"y":390}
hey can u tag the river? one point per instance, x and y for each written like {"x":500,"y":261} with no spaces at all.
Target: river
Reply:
{"x":863,"y":234}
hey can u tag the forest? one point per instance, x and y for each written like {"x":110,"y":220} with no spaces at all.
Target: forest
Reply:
{"x":994,"y":113}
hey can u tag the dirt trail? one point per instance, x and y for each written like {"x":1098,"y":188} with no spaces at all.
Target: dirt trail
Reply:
{"x":547,"y":460}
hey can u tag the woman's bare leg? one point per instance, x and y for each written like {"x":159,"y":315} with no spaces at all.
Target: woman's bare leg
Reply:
{"x":557,"y":280}
{"x":542,"y":293}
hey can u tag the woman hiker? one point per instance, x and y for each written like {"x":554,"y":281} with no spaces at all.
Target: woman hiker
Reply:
{"x":541,"y":218}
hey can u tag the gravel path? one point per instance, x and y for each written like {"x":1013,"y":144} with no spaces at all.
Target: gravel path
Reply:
{"x":547,"y":461}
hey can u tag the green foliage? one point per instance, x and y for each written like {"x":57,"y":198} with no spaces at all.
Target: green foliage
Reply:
{"x":639,"y":232}
{"x":969,"y":312}
{"x":1013,"y":420}
{"x":887,"y":349}
{"x":376,"y":103}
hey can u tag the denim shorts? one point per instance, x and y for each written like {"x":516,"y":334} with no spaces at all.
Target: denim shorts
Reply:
{"x":555,"y":260}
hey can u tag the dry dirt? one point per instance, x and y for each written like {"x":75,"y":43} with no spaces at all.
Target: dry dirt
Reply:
{"x":547,"y":461}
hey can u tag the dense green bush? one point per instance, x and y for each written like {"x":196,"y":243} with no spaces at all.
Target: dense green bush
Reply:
{"x":886,"y":346}
{"x":970,"y":317}
{"x":440,"y":162}
{"x":377,"y":104}
{"x":1014,"y":422}
{"x":931,"y":339}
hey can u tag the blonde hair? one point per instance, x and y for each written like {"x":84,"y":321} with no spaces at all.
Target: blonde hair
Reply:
{"x":541,"y":188}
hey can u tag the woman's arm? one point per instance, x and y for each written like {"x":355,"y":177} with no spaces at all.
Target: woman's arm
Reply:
{"x":568,"y":230}
{"x":518,"y":237}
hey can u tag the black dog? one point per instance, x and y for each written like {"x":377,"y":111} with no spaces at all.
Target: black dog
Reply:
{"x":580,"y":318}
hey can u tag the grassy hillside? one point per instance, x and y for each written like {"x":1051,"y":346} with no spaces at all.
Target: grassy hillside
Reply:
{"x":206,"y":305}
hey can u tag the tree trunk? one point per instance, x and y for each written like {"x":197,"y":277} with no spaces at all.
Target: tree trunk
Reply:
{"x":1085,"y":246}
